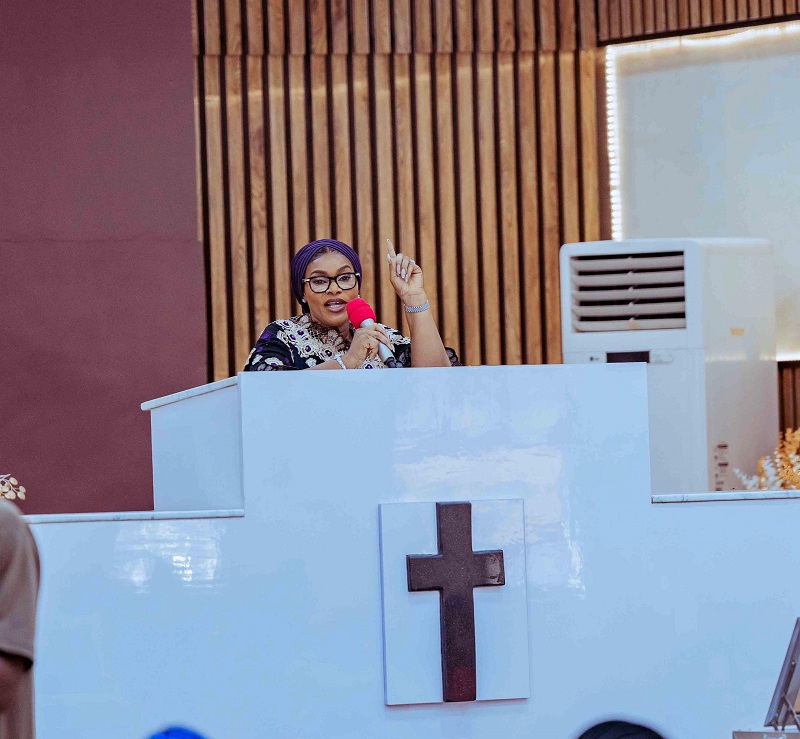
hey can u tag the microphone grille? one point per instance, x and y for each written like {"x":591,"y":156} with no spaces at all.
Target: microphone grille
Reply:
{"x":358,"y":311}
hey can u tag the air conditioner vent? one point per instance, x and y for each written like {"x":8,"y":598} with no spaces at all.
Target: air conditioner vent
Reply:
{"x":628,"y":292}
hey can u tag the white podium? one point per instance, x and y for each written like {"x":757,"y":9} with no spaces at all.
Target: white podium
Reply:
{"x":268,"y":594}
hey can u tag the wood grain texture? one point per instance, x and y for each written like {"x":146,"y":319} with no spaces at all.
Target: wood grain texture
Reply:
{"x":405,"y":236}
{"x":467,"y":204}
{"x":445,"y":126}
{"x":511,"y":312}
{"x":257,"y":176}
{"x":531,"y":294}
{"x":424,"y":174}
{"x":487,"y":209}
{"x":216,"y":220}
{"x":298,"y":142}
{"x":342,"y":150}
{"x":321,"y":163}
{"x":551,"y":227}
{"x":238,"y":227}
{"x":387,"y":307}
{"x":449,"y":312}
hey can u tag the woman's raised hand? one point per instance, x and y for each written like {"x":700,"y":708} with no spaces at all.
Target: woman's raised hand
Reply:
{"x":364,"y":345}
{"x":406,"y":277}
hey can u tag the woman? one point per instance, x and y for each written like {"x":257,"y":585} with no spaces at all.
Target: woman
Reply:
{"x":326,"y":275}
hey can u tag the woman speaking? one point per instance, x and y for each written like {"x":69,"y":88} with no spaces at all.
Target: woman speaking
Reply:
{"x":326,"y":276}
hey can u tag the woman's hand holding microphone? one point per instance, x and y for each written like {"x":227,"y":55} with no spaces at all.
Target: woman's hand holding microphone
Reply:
{"x":364,"y":345}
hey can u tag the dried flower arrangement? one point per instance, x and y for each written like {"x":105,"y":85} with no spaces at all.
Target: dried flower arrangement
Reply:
{"x":10,"y":488}
{"x":781,"y":470}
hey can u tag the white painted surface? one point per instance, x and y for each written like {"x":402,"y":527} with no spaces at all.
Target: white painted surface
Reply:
{"x":270,"y":625}
{"x":708,"y":146}
{"x":411,"y":621}
{"x":197,"y":449}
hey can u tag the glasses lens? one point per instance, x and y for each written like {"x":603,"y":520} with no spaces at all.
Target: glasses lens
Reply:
{"x":319,"y":284}
{"x":347,"y":281}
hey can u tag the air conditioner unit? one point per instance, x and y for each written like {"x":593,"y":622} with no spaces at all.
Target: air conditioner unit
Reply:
{"x":701,"y":313}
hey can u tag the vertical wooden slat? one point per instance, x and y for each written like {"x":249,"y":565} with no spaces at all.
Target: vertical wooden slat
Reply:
{"x":426,"y":247}
{"x":446,"y":180}
{"x":506,"y":26}
{"x":649,"y":15}
{"x":463,"y":25}
{"x":423,"y":27}
{"x":485,"y":25}
{"x":741,"y":10}
{"x":258,"y":195}
{"x":319,"y":134}
{"x":487,"y":188}
{"x":216,"y":219}
{"x":276,"y":27}
{"x":240,"y":298}
{"x":387,"y":302}
{"x":511,"y":315}
{"x":299,"y":152}
{"x":603,"y":29}
{"x":568,"y":136}
{"x":526,"y":24}
{"x":342,"y":149}
{"x":548,"y":25}
{"x":529,"y":207}
{"x":255,"y":27}
{"x":718,"y":12}
{"x":590,"y":141}
{"x":444,"y":26}
{"x":297,"y":27}
{"x":695,"y":14}
{"x":279,"y":188}
{"x":683,"y":14}
{"x":793,"y":418}
{"x":470,"y":295}
{"x":791,"y":6}
{"x":766,"y":8}
{"x":787,"y":398}
{"x":363,"y":176}
{"x":567,"y":26}
{"x":360,"y":14}
{"x":730,"y":11}
{"x":211,"y":27}
{"x":614,"y":20}
{"x":637,"y":18}
{"x":626,"y":19}
{"x":706,"y":12}
{"x":340,"y":26}
{"x":672,"y":15}
{"x":402,"y":26}
{"x":778,"y":8}
{"x":382,"y":26}
{"x":755,"y":9}
{"x":661,"y":16}
{"x":548,"y":127}
{"x":318,"y":10}
{"x":403,"y":146}
{"x":233,"y":27}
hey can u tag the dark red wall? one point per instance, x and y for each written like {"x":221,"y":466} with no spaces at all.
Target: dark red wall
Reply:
{"x":102,"y":301}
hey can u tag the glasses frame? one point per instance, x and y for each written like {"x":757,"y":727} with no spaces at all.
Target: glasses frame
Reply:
{"x":330,"y":280}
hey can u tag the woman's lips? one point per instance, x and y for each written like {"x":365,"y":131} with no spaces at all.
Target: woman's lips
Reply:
{"x":335,"y":306}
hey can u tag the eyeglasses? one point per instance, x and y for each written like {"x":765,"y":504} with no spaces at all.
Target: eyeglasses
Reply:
{"x":345,"y":281}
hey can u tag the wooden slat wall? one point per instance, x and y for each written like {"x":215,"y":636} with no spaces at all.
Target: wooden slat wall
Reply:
{"x":464,"y":130}
{"x":621,"y":21}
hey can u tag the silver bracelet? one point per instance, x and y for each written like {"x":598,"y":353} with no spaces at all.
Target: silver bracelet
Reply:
{"x":417,"y":308}
{"x":338,"y":358}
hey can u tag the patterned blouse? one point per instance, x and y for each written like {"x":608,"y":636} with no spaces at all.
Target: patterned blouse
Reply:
{"x":298,"y":343}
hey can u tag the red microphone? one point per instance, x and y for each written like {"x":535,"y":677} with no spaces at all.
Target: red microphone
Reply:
{"x":361,"y":314}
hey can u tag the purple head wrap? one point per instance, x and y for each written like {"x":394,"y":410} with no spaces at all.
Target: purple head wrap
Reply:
{"x":305,"y":256}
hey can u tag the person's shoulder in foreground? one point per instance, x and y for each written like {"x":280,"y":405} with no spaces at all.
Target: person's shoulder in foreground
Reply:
{"x":19,"y":587}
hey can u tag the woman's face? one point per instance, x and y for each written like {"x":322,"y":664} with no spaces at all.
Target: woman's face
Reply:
{"x":329,"y":308}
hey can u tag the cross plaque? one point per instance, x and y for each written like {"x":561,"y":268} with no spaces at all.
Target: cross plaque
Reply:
{"x":454,"y":572}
